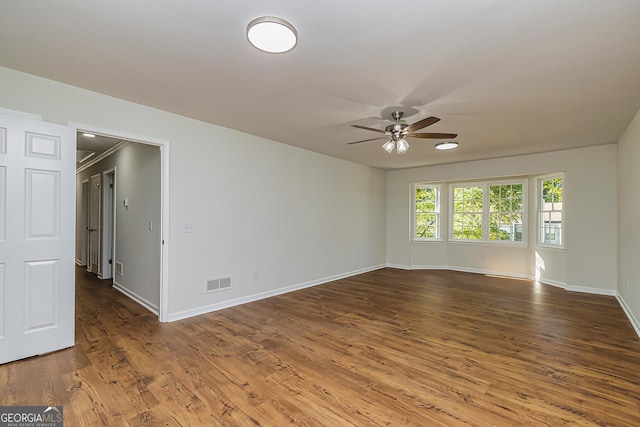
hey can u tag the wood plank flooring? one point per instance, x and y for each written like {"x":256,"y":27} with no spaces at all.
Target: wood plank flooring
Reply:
{"x":390,"y":347}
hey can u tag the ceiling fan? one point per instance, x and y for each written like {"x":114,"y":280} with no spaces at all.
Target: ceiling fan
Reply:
{"x":397,"y":132}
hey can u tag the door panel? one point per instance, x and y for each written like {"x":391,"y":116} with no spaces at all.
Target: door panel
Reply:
{"x":3,"y":200}
{"x":42,"y":195}
{"x":37,"y":235}
{"x":41,"y":288}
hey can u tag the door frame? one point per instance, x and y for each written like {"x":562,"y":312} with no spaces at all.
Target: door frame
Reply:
{"x":164,"y":201}
{"x":84,"y":227}
{"x":108,"y":228}
{"x":97,"y":179}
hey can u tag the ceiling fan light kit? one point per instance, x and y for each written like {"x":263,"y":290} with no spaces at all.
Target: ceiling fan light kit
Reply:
{"x":389,"y":146}
{"x":272,"y":34}
{"x":397,"y":132}
{"x":402,"y":146}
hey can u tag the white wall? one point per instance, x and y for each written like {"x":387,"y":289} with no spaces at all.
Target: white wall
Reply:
{"x":628,"y":224}
{"x":589,"y":260}
{"x":137,"y":247}
{"x":293,"y":217}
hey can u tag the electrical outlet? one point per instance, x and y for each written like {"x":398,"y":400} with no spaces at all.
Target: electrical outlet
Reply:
{"x":188,"y":227}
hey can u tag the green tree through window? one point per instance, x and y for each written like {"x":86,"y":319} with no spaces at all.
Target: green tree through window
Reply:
{"x":467,"y":213}
{"x":505,"y":212}
{"x":550,"y":206}
{"x":427,"y":204}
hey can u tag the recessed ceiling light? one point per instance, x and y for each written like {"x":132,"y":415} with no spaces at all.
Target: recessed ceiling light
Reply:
{"x":447,"y":145}
{"x":88,"y":135}
{"x":271,"y":34}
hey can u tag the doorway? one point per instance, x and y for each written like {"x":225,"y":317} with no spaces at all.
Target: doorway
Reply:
{"x":114,"y":201}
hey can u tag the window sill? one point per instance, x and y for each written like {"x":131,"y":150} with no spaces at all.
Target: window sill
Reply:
{"x":551,"y":248}
{"x":490,"y":243}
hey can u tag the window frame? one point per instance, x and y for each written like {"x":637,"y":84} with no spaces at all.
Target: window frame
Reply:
{"x":486,"y":211}
{"x":437,"y":212}
{"x":452,"y":212}
{"x":539,"y":211}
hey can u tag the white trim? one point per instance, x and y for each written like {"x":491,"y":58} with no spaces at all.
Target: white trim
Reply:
{"x":470,"y":270}
{"x":21,"y":114}
{"x":551,"y":282}
{"x":629,"y":313}
{"x":562,"y":285}
{"x":589,"y":290}
{"x":487,"y":272}
{"x":133,"y":137}
{"x":428,"y":267}
{"x":164,"y":237}
{"x":486,"y":210}
{"x":137,"y":298}
{"x":108,"y":216}
{"x":538,"y":181}
{"x":438,"y":212}
{"x":398,"y":266}
{"x":172,"y":317}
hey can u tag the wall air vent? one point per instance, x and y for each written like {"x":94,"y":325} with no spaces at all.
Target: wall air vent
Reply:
{"x":218,"y":284}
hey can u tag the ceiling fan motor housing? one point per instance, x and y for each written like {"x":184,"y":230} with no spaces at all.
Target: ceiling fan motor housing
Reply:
{"x":396,"y":127}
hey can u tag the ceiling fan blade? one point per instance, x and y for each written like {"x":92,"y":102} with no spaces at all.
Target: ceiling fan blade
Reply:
{"x":368,"y":128}
{"x":365,"y":140}
{"x":433,"y":135}
{"x":422,"y":124}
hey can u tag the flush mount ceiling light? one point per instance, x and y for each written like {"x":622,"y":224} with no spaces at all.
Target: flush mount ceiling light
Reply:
{"x":88,"y":135}
{"x":271,"y":34}
{"x":447,"y":145}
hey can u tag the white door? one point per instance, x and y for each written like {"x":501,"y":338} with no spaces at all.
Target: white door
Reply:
{"x":84,"y":225}
{"x":37,"y":235}
{"x":94,"y":224}
{"x":107,"y":236}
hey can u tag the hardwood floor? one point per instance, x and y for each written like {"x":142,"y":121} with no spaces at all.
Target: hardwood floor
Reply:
{"x":390,"y":347}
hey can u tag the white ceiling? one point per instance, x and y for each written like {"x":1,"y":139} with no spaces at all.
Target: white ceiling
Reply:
{"x":510,"y":77}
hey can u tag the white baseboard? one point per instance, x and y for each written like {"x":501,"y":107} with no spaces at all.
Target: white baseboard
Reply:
{"x":629,"y":313}
{"x":569,"y":288}
{"x":172,"y":317}
{"x":565,"y":286}
{"x":398,"y":266}
{"x":551,"y":282}
{"x":589,"y":290}
{"x":470,"y":270}
{"x":137,"y":298}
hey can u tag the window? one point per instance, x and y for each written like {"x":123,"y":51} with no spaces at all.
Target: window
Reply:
{"x":550,"y":210}
{"x":467,"y":212}
{"x":483,"y":211}
{"x":427,"y":212}
{"x":505,"y":212}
